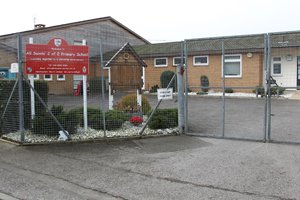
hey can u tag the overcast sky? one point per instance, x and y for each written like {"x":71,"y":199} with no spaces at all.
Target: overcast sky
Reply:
{"x":159,"y":20}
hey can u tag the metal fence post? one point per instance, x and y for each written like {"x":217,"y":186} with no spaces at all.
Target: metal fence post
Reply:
{"x":186,"y":87}
{"x":223,"y":96}
{"x":269,"y":88}
{"x":21,"y":101}
{"x":102,"y":88}
{"x":180,"y":72}
{"x":265,"y":87}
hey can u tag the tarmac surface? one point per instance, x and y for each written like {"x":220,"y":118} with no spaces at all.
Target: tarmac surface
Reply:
{"x":174,"y":167}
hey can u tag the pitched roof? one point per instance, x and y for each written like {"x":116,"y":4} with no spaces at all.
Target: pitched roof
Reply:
{"x":285,"y":39}
{"x":8,"y":48}
{"x":40,"y":30}
{"x":232,"y":44}
{"x":204,"y":45}
{"x":126,"y":48}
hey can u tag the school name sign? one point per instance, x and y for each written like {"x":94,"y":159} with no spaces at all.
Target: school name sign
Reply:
{"x":57,"y":57}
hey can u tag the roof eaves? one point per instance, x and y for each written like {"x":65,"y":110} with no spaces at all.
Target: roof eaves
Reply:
{"x":41,"y":30}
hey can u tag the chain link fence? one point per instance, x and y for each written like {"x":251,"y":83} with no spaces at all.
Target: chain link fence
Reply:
{"x":111,"y":101}
{"x":245,"y":87}
{"x":239,"y":87}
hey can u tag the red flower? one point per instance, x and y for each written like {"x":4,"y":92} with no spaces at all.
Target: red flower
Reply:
{"x":136,"y":120}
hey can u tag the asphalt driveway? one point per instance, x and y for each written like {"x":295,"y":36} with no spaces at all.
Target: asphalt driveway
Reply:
{"x":177,"y":167}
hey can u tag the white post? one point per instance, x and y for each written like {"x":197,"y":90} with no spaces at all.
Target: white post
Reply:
{"x":139,"y":98}
{"x":110,"y":96}
{"x":32,"y":100}
{"x":84,"y":93}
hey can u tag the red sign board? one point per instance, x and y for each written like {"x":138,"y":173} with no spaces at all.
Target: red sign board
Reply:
{"x":57,"y":57}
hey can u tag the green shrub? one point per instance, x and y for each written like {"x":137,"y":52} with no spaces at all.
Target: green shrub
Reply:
{"x":164,"y":118}
{"x":154,"y":89}
{"x":94,"y":115}
{"x":129,"y":104}
{"x":57,"y":110}
{"x":113,"y":118}
{"x":204,"y":83}
{"x":166,"y":77}
{"x":274,"y":90}
{"x":6,"y":86}
{"x":260,"y":90}
{"x":228,"y":90}
{"x":45,"y":123}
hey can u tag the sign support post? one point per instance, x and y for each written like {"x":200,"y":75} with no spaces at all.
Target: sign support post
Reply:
{"x":32,"y":100}
{"x":85,"y":120}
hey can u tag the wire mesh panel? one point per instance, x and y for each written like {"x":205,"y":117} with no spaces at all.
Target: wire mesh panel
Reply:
{"x":109,"y":97}
{"x":205,"y":115}
{"x":285,"y":76}
{"x":243,"y":69}
{"x":229,"y":72}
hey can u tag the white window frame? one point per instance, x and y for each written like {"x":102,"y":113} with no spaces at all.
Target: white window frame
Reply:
{"x":48,"y":79}
{"x":233,"y":60}
{"x":200,"y":64}
{"x":277,"y":62}
{"x":61,"y":79}
{"x":164,"y":65}
{"x":179,"y":57}
{"x":35,"y":76}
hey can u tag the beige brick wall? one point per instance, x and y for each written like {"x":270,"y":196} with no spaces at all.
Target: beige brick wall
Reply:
{"x":251,"y":72}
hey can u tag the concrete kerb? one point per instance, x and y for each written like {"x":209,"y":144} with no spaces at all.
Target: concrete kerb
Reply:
{"x":97,"y":140}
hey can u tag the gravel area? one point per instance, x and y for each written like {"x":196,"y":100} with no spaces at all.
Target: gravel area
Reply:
{"x":127,"y":130}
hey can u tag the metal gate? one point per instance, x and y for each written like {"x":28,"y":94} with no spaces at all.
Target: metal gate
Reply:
{"x":236,"y":90}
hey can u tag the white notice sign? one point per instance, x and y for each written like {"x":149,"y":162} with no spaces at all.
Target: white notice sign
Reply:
{"x":14,"y":68}
{"x":164,"y":93}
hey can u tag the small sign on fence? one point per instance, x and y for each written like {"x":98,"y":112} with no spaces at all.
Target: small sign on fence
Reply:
{"x":14,"y":68}
{"x":165,"y":94}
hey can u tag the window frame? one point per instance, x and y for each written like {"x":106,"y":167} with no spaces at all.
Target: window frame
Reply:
{"x":178,"y":57}
{"x":276,"y":62}
{"x":61,"y":79}
{"x":165,"y":65}
{"x":48,"y":79}
{"x":240,"y":60}
{"x":201,"y":64}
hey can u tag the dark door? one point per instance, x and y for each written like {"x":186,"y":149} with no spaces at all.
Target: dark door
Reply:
{"x":298,"y":71}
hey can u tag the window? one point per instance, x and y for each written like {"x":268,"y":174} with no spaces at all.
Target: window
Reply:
{"x":232,"y":66}
{"x":177,"y":61}
{"x":48,"y":77}
{"x":160,"y":62}
{"x":276,"y":66}
{"x":36,"y":77}
{"x":61,"y":77}
{"x":200,"y":60}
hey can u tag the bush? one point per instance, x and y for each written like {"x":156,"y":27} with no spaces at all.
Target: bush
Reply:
{"x":45,"y":123}
{"x":95,"y":117}
{"x":204,"y":83}
{"x":166,"y":77}
{"x":164,"y":118}
{"x":113,"y":118}
{"x":260,"y":90}
{"x":274,"y":90}
{"x":228,"y":90}
{"x":154,"y":89}
{"x":128,"y":104}
{"x":11,"y":123}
